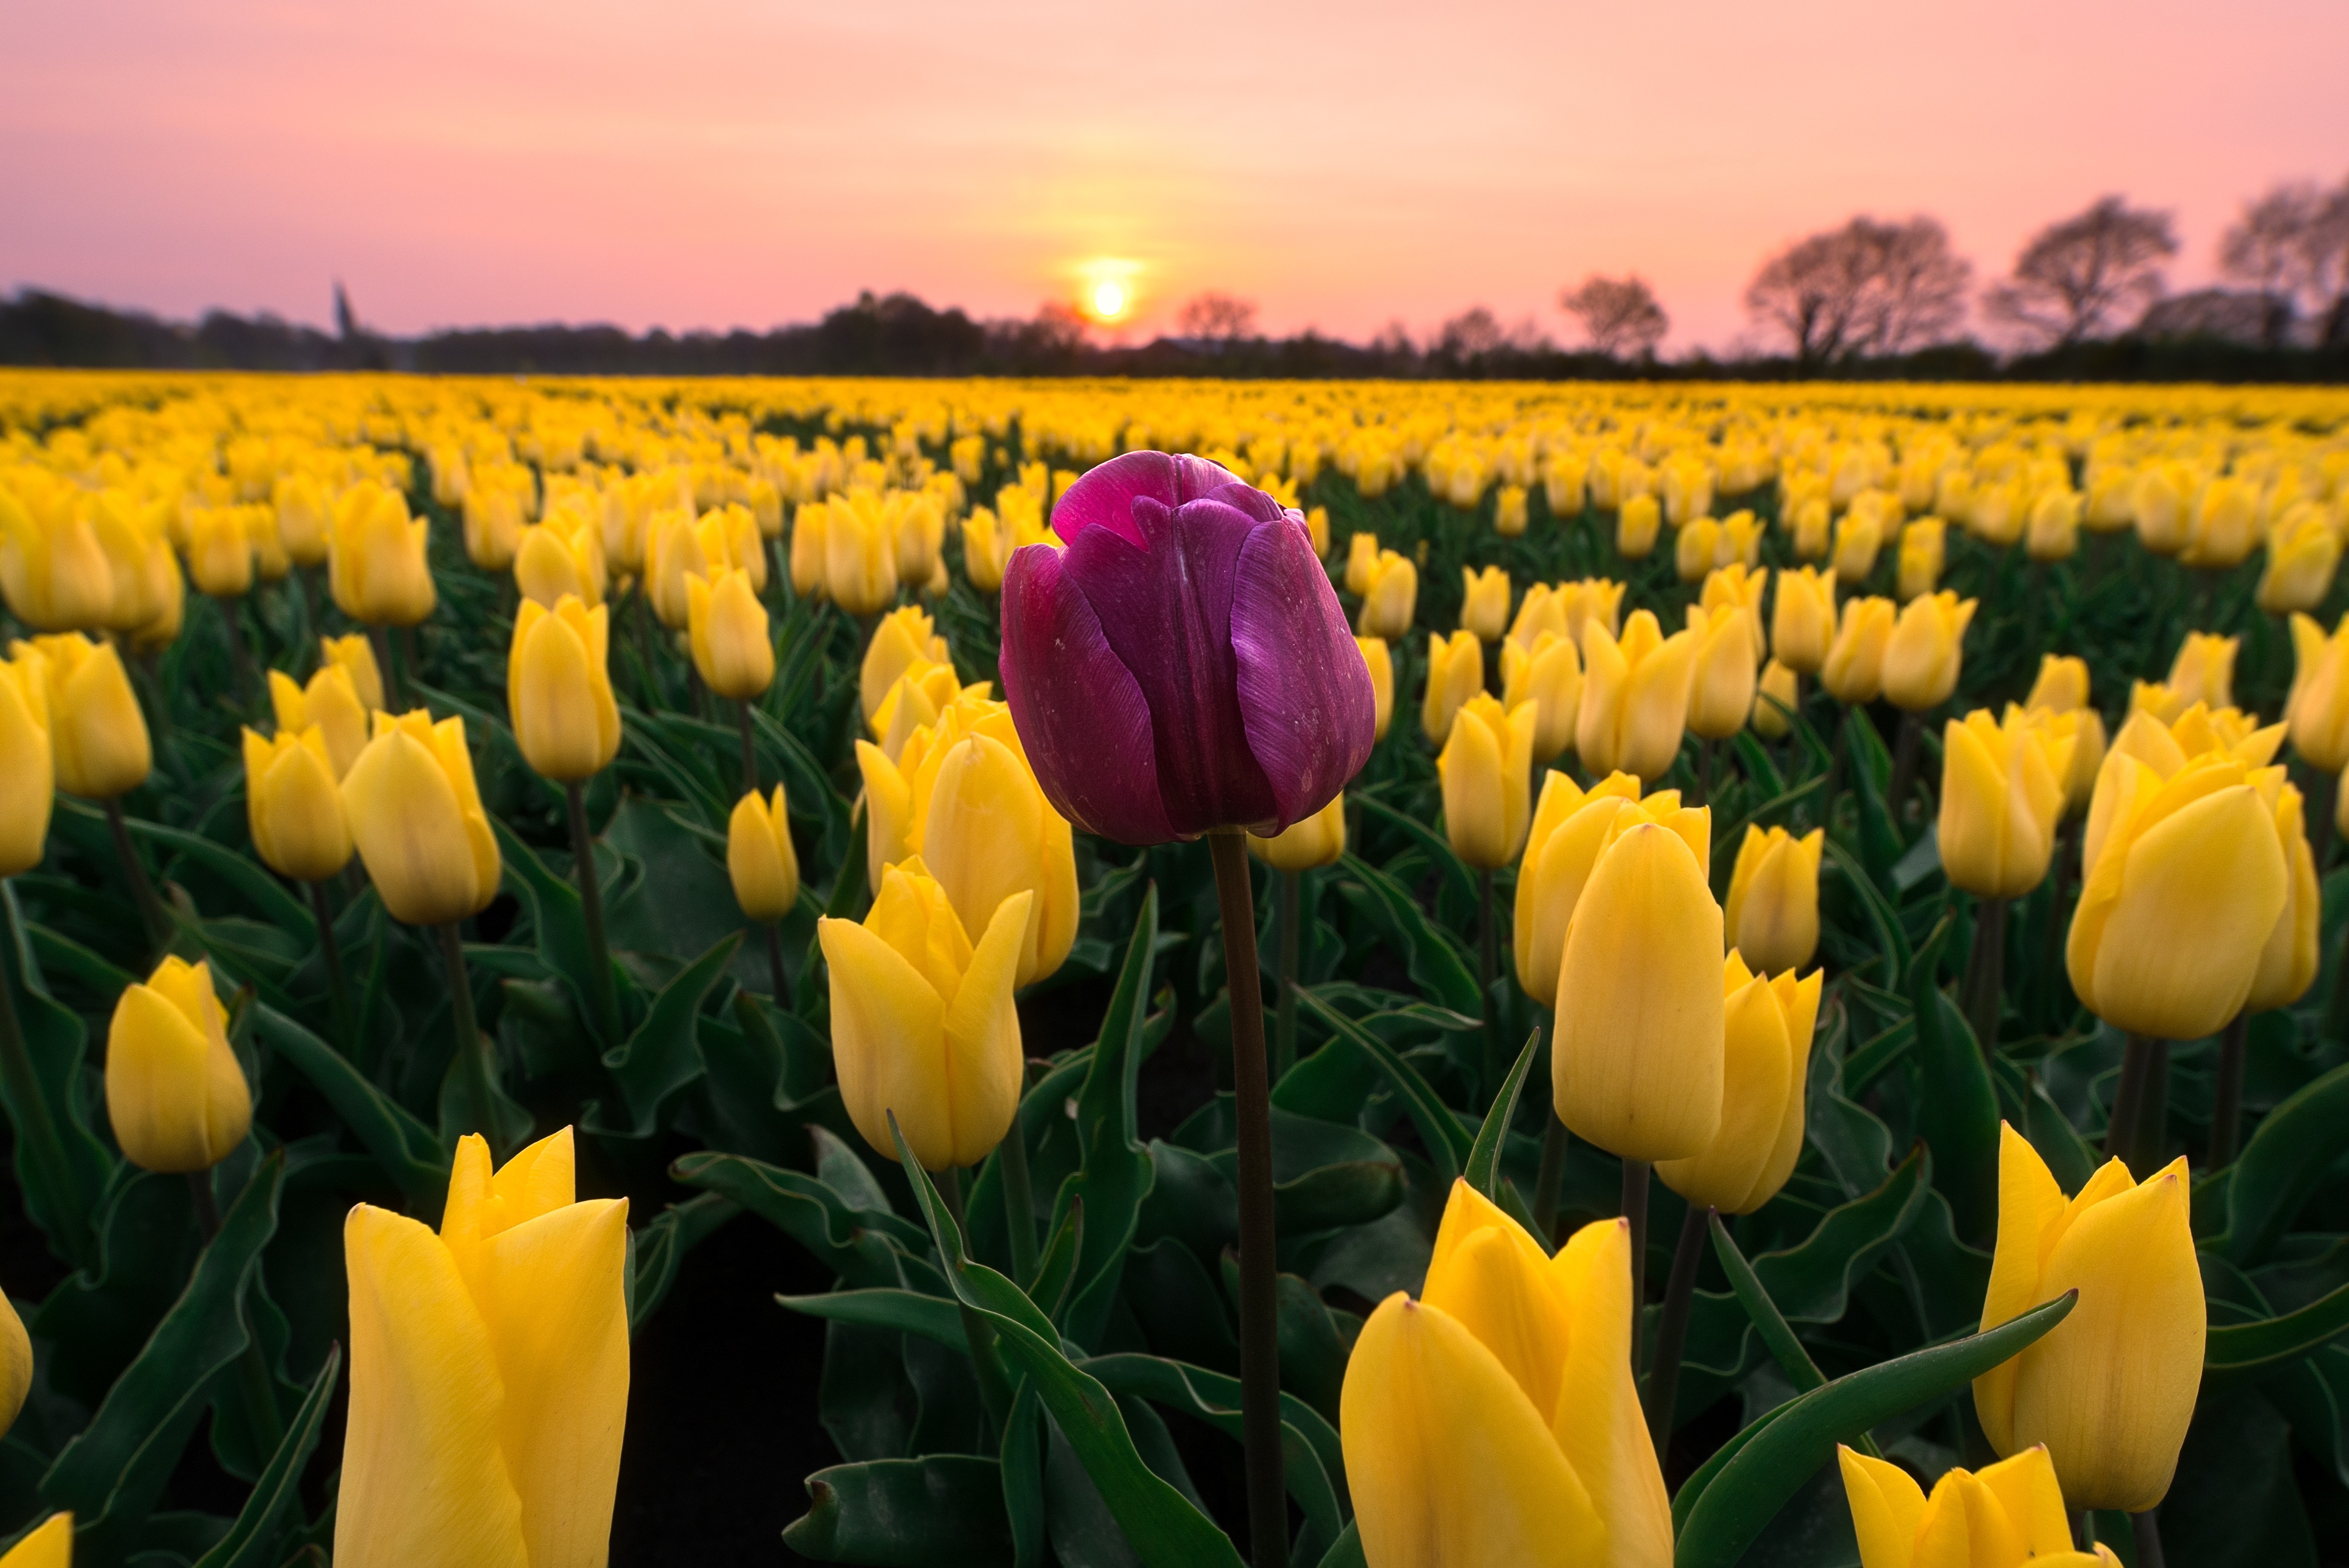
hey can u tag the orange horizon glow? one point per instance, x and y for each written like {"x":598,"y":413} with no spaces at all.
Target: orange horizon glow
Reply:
{"x":717,"y":163}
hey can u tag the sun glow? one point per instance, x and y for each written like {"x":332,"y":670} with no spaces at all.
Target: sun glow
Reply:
{"x":1109,"y":299}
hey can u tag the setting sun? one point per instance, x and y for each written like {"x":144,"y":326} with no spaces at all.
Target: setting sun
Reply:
{"x":1109,"y":299}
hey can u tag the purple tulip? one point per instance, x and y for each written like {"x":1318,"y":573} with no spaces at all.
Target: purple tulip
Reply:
{"x":1182,"y":665}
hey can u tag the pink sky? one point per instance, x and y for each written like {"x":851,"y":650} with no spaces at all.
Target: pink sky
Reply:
{"x":713,"y":163}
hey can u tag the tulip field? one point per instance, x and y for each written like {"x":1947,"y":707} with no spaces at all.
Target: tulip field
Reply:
{"x":1399,"y":974}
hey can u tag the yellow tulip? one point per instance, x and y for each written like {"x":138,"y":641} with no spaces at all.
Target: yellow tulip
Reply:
{"x":329,"y":704}
{"x":811,"y":557}
{"x":1307,"y":843}
{"x":1455,"y":672}
{"x":1803,"y":619}
{"x":1637,"y":1069}
{"x":673,"y":552}
{"x":1778,"y":694}
{"x":489,"y":1371}
{"x":1859,"y":540}
{"x":1720,"y":689}
{"x":2162,"y":521}
{"x":1772,"y":913}
{"x":553,"y":561}
{"x":493,"y":522}
{"x":54,"y":573}
{"x":1509,"y":512}
{"x":903,"y":637}
{"x":2303,"y":554}
{"x":98,"y":737}
{"x":729,"y":636}
{"x":987,"y":835}
{"x":1571,"y":826}
{"x":174,"y":1093}
{"x":2108,"y":1390}
{"x":2224,"y":525}
{"x":1736,"y":584}
{"x":559,"y":690}
{"x":1382,"y":667}
{"x":1486,"y":770}
{"x":1810,"y":528}
{"x":1391,"y":598}
{"x":2003,"y":793}
{"x":1924,"y":548}
{"x":2156,"y":698}
{"x":50,"y":1546}
{"x":1925,"y":651}
{"x":1853,"y":672}
{"x":1768,"y":1027}
{"x":2061,"y":685}
{"x":2005,"y":1515}
{"x":2083,"y":729}
{"x":376,"y":567}
{"x":921,"y":1022}
{"x":1549,"y":677}
{"x":163,"y":597}
{"x":985,"y":550}
{"x":293,"y":805}
{"x":922,"y":693}
{"x":417,"y":818}
{"x":1592,"y":599}
{"x":356,"y":655}
{"x":2052,"y":531}
{"x":1740,"y":544}
{"x":1694,"y":550}
{"x":731,"y":540}
{"x":1484,"y":603}
{"x":219,"y":552}
{"x":860,"y":556}
{"x":1361,"y":564}
{"x":15,"y":1382}
{"x":1495,"y":1421}
{"x":301,"y":518}
{"x":1635,"y":697}
{"x":2318,"y":708}
{"x":1636,"y":527}
{"x":760,"y":860}
{"x":2204,"y":670}
{"x":29,"y":784}
{"x":1317,"y":523}
{"x":2183,"y":880}
{"x":2288,"y":963}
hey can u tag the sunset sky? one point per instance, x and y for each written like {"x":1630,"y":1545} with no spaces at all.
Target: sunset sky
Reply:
{"x":714,"y":163}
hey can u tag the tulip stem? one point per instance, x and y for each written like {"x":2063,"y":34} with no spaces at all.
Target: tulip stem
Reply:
{"x":2146,"y":1528}
{"x":337,"y":986}
{"x":1488,"y":962}
{"x":2140,"y":1105}
{"x":1703,"y":792}
{"x":1905,"y":746}
{"x":749,"y":755}
{"x":471,"y":1062}
{"x":134,"y":871}
{"x":1268,"y":1495}
{"x":1019,"y":1199}
{"x":1552,"y":1178}
{"x":200,"y":1194}
{"x":2059,"y":890}
{"x":1671,"y":1329}
{"x":390,"y":672}
{"x":253,"y":1379}
{"x":994,"y":1388}
{"x":301,"y":575}
{"x":2323,"y":799}
{"x":1635,"y":1209}
{"x":35,"y":1128}
{"x":2227,"y":1106}
{"x":1986,"y":974}
{"x":239,"y":657}
{"x":1284,"y":1018}
{"x":606,"y":999}
{"x":774,"y":960}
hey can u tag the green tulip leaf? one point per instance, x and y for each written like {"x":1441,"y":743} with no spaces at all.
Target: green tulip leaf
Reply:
{"x":559,"y":926}
{"x":1435,"y":845}
{"x":252,"y":1541}
{"x":865,"y":1247}
{"x":259,"y":887}
{"x":933,"y":1317}
{"x":2286,"y":1159}
{"x":663,"y":1057}
{"x":1023,"y":1477}
{"x":1447,"y":1142}
{"x":1957,"y":1109}
{"x":1442,"y":976}
{"x":410,"y":1153}
{"x":61,"y":1167}
{"x":1483,"y":1167}
{"x":1891,"y":941}
{"x":1348,"y":1551}
{"x":906,"y":1513}
{"x":1743,"y":1497}
{"x":656,"y":1250}
{"x":1777,"y":1335}
{"x":2251,"y":1346}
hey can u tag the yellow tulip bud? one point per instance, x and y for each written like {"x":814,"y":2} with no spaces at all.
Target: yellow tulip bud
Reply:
{"x":1734,"y":584}
{"x":2052,"y":532}
{"x":729,"y":636}
{"x":1924,"y":547}
{"x":985,"y":550}
{"x":2303,"y":554}
{"x":2006,"y":1515}
{"x":860,"y":554}
{"x":1497,"y":1420}
{"x":1592,"y":599}
{"x":301,"y":518}
{"x":1308,"y":843}
{"x":1925,"y":650}
{"x":416,"y":817}
{"x":1720,"y":689}
{"x":356,"y":655}
{"x":1391,"y":598}
{"x":553,"y":560}
{"x":1772,"y":913}
{"x":2288,"y":963}
{"x":1859,"y":540}
{"x":54,"y":571}
{"x":1455,"y":672}
{"x":903,"y":637}
{"x":376,"y":567}
{"x":1549,"y":675}
{"x":1810,"y":528}
{"x":1361,"y":564}
{"x":2204,"y":670}
{"x":764,"y":868}
{"x":493,"y":522}
{"x":1484,"y":603}
{"x":921,"y":1023}
{"x":219,"y":552}
{"x":1486,"y":770}
{"x":489,"y":1371}
{"x":1637,"y":1069}
{"x":2061,"y":685}
{"x":1636,"y":527}
{"x":2184,"y":879}
{"x":329,"y":704}
{"x":50,"y":1546}
{"x":98,"y":737}
{"x":1509,"y":512}
{"x":1635,"y":697}
{"x":29,"y":785}
{"x":163,"y":597}
{"x":673,"y":552}
{"x":1317,"y":523}
{"x":559,"y":690}
{"x":1803,"y":619}
{"x":1694,"y":551}
{"x":174,"y":1093}
{"x":2223,"y":526}
{"x":2318,"y":708}
{"x":2003,"y":793}
{"x":812,"y":551}
{"x":16,"y":1376}
{"x":293,"y":805}
{"x":1382,"y":667}
{"x":1570,"y":827}
{"x":1778,"y":694}
{"x":922,"y":693}
{"x":2108,"y":1390}
{"x":1768,"y":1028}
{"x":986,"y":833}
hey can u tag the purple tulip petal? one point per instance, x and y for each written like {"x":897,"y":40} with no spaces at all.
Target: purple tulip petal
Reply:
{"x":1304,"y":694}
{"x":1250,"y":499}
{"x":1079,"y":712}
{"x":1165,"y":608}
{"x":1104,"y":497}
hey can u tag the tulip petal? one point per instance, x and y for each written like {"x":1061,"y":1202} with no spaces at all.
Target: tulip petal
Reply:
{"x":1104,"y":495}
{"x":1886,"y":1506}
{"x":2027,"y":1491}
{"x":1080,"y":712}
{"x":888,"y":1042}
{"x":983,"y":1056}
{"x":1597,"y":1420}
{"x":1304,"y":692}
{"x":1447,"y":1460}
{"x":1495,"y":1280}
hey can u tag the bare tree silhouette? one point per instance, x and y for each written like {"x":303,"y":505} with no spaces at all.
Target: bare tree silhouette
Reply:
{"x":2087,"y":274}
{"x":1214,"y":315}
{"x":1620,"y":315}
{"x":1868,"y":287}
